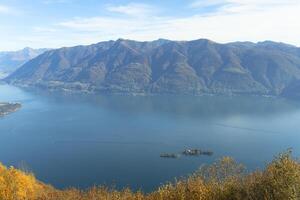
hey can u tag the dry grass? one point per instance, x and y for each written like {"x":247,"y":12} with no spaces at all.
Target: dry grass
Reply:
{"x":223,"y":180}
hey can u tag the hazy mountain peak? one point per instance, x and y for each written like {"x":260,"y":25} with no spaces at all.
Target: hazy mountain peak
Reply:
{"x":11,"y":60}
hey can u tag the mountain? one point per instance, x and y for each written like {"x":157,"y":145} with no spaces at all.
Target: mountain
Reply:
{"x":164,"y":66}
{"x":10,"y":61}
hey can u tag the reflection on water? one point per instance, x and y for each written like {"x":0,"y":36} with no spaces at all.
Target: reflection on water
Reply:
{"x":82,"y":140}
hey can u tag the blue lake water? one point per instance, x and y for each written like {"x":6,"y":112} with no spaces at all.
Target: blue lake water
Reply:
{"x":85,"y":140}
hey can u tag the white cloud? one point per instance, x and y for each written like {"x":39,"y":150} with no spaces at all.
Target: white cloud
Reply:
{"x":7,"y":10}
{"x":98,"y":24}
{"x":251,"y":20}
{"x":205,"y":3}
{"x":56,"y":1}
{"x":243,"y":5}
{"x":247,"y":20}
{"x":44,"y":29}
{"x":133,"y":9}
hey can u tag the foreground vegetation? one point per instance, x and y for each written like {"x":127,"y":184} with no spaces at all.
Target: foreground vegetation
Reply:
{"x":223,"y":180}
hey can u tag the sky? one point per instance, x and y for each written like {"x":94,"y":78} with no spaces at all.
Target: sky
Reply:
{"x":60,"y":23}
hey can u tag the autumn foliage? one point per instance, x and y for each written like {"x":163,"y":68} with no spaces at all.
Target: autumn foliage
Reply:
{"x":15,"y":184}
{"x":223,"y":180}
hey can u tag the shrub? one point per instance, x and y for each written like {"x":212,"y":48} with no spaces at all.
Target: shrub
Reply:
{"x":223,"y":180}
{"x":15,"y":185}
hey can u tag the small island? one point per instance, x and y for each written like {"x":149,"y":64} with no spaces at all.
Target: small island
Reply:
{"x":7,"y":108}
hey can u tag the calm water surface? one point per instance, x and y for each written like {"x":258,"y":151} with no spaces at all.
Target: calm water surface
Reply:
{"x":83,"y":140}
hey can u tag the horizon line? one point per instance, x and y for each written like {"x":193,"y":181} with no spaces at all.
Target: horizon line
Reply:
{"x":171,"y":40}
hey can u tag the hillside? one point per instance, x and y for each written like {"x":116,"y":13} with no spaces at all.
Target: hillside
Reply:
{"x":164,"y":66}
{"x":223,"y":180}
{"x":11,"y":60}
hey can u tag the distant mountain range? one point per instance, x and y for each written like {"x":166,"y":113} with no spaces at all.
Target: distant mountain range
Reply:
{"x":164,"y":66}
{"x":11,"y":60}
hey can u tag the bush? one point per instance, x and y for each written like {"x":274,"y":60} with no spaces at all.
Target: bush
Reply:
{"x":223,"y":180}
{"x":15,"y":185}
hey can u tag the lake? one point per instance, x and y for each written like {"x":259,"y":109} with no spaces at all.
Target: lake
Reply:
{"x":84,"y":140}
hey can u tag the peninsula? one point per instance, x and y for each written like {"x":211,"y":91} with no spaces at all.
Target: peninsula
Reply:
{"x":7,"y":108}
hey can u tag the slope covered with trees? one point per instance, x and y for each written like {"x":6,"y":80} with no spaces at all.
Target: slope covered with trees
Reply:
{"x":164,"y":66}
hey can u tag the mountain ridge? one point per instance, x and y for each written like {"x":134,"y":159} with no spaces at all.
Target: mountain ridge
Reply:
{"x":165,"y":66}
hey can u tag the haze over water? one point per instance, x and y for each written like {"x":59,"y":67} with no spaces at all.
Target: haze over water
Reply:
{"x":82,"y":140}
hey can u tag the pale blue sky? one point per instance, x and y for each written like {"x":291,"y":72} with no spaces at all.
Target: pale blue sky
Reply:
{"x":57,"y":23}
